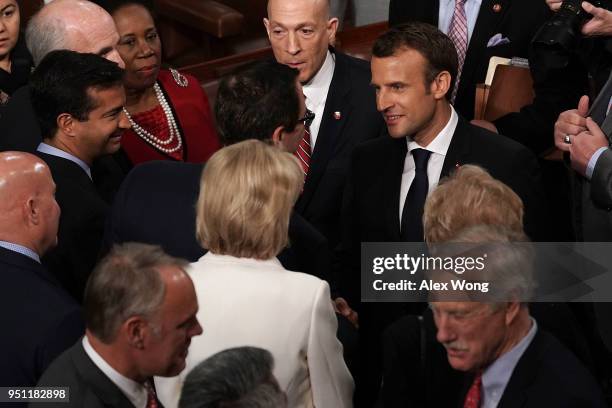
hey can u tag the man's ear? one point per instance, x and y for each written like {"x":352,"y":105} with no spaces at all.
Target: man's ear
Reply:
{"x":277,"y":136}
{"x":135,"y":329}
{"x":512,"y":310}
{"x":31,"y":211}
{"x":332,"y":28}
{"x":441,"y":85}
{"x":267,"y":25}
{"x":66,"y":124}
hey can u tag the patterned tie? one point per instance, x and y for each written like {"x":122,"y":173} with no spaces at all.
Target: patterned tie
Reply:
{"x":472,"y":398}
{"x":151,"y":397}
{"x":458,"y":33}
{"x":412,"y":215}
{"x":304,"y":150}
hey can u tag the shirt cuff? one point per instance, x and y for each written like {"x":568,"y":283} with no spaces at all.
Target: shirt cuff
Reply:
{"x":593,"y":161}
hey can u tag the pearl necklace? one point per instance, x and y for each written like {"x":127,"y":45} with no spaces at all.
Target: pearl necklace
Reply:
{"x":150,"y":138}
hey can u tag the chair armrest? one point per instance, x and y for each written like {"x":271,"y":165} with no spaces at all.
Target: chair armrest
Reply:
{"x":209,"y":16}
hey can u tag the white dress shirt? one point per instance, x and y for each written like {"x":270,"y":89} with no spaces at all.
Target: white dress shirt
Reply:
{"x":438,"y":148}
{"x":447,"y":9}
{"x":316,"y":95}
{"x":135,"y":392}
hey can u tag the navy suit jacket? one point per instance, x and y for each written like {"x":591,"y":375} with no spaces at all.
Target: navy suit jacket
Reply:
{"x":170,"y":191}
{"x":81,"y":225}
{"x":40,"y":319}
{"x":351,"y":95}
{"x":517,"y":20}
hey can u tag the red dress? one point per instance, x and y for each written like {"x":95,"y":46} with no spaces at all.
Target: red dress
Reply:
{"x":193,"y":118}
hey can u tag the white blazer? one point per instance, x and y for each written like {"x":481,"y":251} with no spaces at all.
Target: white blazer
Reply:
{"x":248,"y":302}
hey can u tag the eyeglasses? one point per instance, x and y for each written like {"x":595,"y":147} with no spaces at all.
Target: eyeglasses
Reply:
{"x":308,"y":118}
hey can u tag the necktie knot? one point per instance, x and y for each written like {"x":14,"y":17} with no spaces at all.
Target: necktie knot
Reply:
{"x":472,"y":399}
{"x":421,"y":157}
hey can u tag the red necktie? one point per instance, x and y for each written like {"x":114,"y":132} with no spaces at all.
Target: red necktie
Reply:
{"x":458,"y":33}
{"x":472,"y":399}
{"x":151,"y":399}
{"x":304,"y":151}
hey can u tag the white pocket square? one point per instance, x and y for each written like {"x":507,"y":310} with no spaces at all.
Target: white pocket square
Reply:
{"x":496,"y":40}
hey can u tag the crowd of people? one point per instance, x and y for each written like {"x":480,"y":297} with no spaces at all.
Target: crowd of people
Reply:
{"x":160,"y":251}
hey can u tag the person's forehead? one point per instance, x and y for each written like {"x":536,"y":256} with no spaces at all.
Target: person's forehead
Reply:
{"x":296,"y":11}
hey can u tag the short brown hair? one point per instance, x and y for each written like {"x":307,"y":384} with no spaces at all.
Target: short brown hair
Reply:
{"x":247,"y":192}
{"x":469,"y":197}
{"x":125,"y":283}
{"x":435,"y":46}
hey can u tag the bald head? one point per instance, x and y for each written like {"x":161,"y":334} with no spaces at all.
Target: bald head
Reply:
{"x":76,"y":25}
{"x":300,"y":33}
{"x":29,"y":214}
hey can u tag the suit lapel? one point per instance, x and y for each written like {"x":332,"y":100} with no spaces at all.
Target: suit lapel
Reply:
{"x":330,"y":135}
{"x":487,"y":25}
{"x":392,"y":179}
{"x":100,"y":384}
{"x":458,"y":150}
{"x":523,"y":375}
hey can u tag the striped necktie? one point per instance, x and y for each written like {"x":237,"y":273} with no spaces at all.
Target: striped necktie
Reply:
{"x":304,"y":150}
{"x":458,"y":33}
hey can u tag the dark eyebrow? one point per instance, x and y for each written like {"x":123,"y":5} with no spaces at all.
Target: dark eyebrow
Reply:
{"x":7,"y":6}
{"x":113,"y":112}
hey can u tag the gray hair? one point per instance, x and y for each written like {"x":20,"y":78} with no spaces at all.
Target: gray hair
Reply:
{"x":234,"y":378}
{"x":124,"y":284}
{"x":45,"y":33}
{"x":509,"y":265}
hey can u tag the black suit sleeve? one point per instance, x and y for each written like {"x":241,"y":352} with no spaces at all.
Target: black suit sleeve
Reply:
{"x":59,"y":338}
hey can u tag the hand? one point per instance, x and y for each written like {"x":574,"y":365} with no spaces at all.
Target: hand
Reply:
{"x":600,"y":24}
{"x":571,"y":123}
{"x":342,"y":307}
{"x":485,"y":124}
{"x":585,"y":144}
{"x":554,"y":4}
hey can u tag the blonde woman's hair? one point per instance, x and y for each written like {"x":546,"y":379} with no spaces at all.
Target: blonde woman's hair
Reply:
{"x":470,"y":196}
{"x":247,"y":192}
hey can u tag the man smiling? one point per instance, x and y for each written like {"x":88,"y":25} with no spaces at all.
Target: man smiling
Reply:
{"x":78,"y":100}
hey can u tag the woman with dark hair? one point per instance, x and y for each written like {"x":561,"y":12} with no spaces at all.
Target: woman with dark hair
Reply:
{"x":169,"y":112}
{"x":15,"y":60}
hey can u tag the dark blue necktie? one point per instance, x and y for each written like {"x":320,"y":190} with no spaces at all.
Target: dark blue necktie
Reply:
{"x":412,"y":215}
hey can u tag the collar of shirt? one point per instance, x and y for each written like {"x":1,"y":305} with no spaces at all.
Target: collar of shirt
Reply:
{"x":495,"y":378}
{"x":54,"y":151}
{"x":438,"y":148}
{"x":443,"y":139}
{"x":135,"y":392}
{"x":20,"y":249}
{"x":447,"y":9}
{"x":316,"y":94}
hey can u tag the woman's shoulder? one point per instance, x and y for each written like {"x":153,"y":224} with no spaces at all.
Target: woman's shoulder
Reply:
{"x":176,"y":79}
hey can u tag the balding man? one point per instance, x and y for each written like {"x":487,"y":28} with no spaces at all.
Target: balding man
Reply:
{"x":39,"y":320}
{"x":76,"y":25}
{"x":337,"y":91}
{"x":140,"y":308}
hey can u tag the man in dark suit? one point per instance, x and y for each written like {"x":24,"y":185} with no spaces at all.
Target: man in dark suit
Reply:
{"x":140,"y":308}
{"x":508,"y":359}
{"x":78,"y":100}
{"x":41,"y":320}
{"x":413,"y":69}
{"x":501,"y":28}
{"x":337,"y":90}
{"x":171,"y":189}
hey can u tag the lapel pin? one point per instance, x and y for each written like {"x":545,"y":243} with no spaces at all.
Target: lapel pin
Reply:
{"x":497,"y":7}
{"x":337,"y":115}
